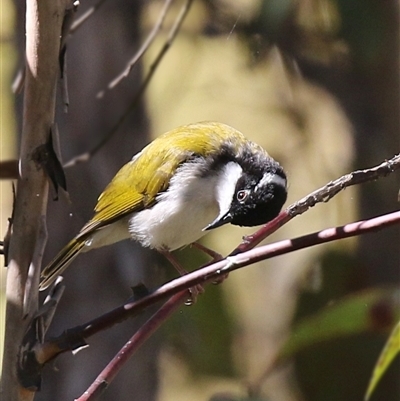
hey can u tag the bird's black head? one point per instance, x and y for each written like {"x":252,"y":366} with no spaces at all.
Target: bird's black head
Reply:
{"x":257,"y":199}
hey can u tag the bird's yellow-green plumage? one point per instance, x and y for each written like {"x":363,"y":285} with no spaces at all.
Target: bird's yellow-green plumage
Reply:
{"x":137,"y":184}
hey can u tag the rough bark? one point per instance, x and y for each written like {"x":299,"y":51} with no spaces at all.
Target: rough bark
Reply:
{"x":43,"y":28}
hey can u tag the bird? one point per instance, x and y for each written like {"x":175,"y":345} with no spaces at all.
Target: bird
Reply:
{"x":183,"y":184}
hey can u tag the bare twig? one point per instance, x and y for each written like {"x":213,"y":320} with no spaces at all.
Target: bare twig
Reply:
{"x":74,"y":338}
{"x":77,"y":335}
{"x":69,"y":16}
{"x":85,"y":16}
{"x":110,"y":371}
{"x":68,"y":22}
{"x":171,"y":37}
{"x":322,"y":194}
{"x":139,"y":54}
{"x":328,"y":191}
{"x":19,"y":80}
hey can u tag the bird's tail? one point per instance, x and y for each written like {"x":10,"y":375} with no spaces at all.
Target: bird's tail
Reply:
{"x":60,"y":262}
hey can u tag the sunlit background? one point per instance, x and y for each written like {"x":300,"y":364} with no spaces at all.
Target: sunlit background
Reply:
{"x":315,"y":82}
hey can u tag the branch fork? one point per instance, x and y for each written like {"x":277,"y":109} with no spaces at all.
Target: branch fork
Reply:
{"x":39,"y":353}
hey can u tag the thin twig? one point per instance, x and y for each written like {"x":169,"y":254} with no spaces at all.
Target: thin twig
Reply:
{"x":171,"y":37}
{"x":115,"y":365}
{"x":207,"y":274}
{"x":71,"y":339}
{"x":139,"y":54}
{"x":79,"y":21}
{"x":69,"y":14}
{"x":323,"y":194}
{"x":69,"y":17}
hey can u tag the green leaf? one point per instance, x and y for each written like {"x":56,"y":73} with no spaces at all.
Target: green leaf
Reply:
{"x":392,"y":348}
{"x":370,"y":310}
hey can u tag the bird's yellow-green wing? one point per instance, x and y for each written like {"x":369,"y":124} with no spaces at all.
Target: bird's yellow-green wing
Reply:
{"x":136,"y":185}
{"x":60,"y":263}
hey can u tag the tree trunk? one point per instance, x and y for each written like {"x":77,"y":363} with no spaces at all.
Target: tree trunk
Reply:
{"x":28,"y":238}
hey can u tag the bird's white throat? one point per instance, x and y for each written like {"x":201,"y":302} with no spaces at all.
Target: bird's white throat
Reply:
{"x":226,"y":184}
{"x":186,"y":208}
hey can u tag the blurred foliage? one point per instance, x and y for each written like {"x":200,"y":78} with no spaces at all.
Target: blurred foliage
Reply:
{"x":373,"y":310}
{"x":257,"y":51}
{"x":232,"y":397}
{"x":332,"y":326}
{"x":326,"y":32}
{"x":203,"y":333}
{"x":242,"y":62}
{"x":363,"y":27}
{"x":389,"y":353}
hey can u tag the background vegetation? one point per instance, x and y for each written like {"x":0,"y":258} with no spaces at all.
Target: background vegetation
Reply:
{"x":316,"y":82}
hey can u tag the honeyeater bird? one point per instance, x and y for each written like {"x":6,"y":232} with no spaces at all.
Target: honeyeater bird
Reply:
{"x":192,"y":179}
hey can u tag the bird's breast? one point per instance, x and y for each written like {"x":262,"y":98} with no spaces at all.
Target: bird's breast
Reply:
{"x":180,"y":214}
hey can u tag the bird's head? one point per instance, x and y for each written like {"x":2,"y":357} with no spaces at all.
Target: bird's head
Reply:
{"x":251,"y":197}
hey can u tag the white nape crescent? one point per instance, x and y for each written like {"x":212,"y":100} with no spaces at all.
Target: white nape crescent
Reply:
{"x":271,"y":178}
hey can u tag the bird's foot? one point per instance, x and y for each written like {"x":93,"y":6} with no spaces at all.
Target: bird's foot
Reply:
{"x":215,"y":258}
{"x":194,"y":291}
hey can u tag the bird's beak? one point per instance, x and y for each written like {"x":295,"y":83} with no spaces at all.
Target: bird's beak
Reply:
{"x":219,"y":221}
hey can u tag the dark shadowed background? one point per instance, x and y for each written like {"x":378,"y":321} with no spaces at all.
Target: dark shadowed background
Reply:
{"x":314,"y":82}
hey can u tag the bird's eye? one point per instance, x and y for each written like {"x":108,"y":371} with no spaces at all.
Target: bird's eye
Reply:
{"x":242,"y":195}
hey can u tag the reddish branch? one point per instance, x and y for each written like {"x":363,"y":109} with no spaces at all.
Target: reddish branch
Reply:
{"x":242,"y":256}
{"x":203,"y":275}
{"x":110,"y":371}
{"x":323,"y":194}
{"x":75,"y":337}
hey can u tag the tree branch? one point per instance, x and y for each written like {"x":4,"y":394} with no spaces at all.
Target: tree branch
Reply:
{"x":323,"y":194}
{"x":75,"y":337}
{"x":139,"y":54}
{"x":43,"y":30}
{"x":85,"y":16}
{"x":177,"y":290}
{"x":110,"y":371}
{"x":168,"y":43}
